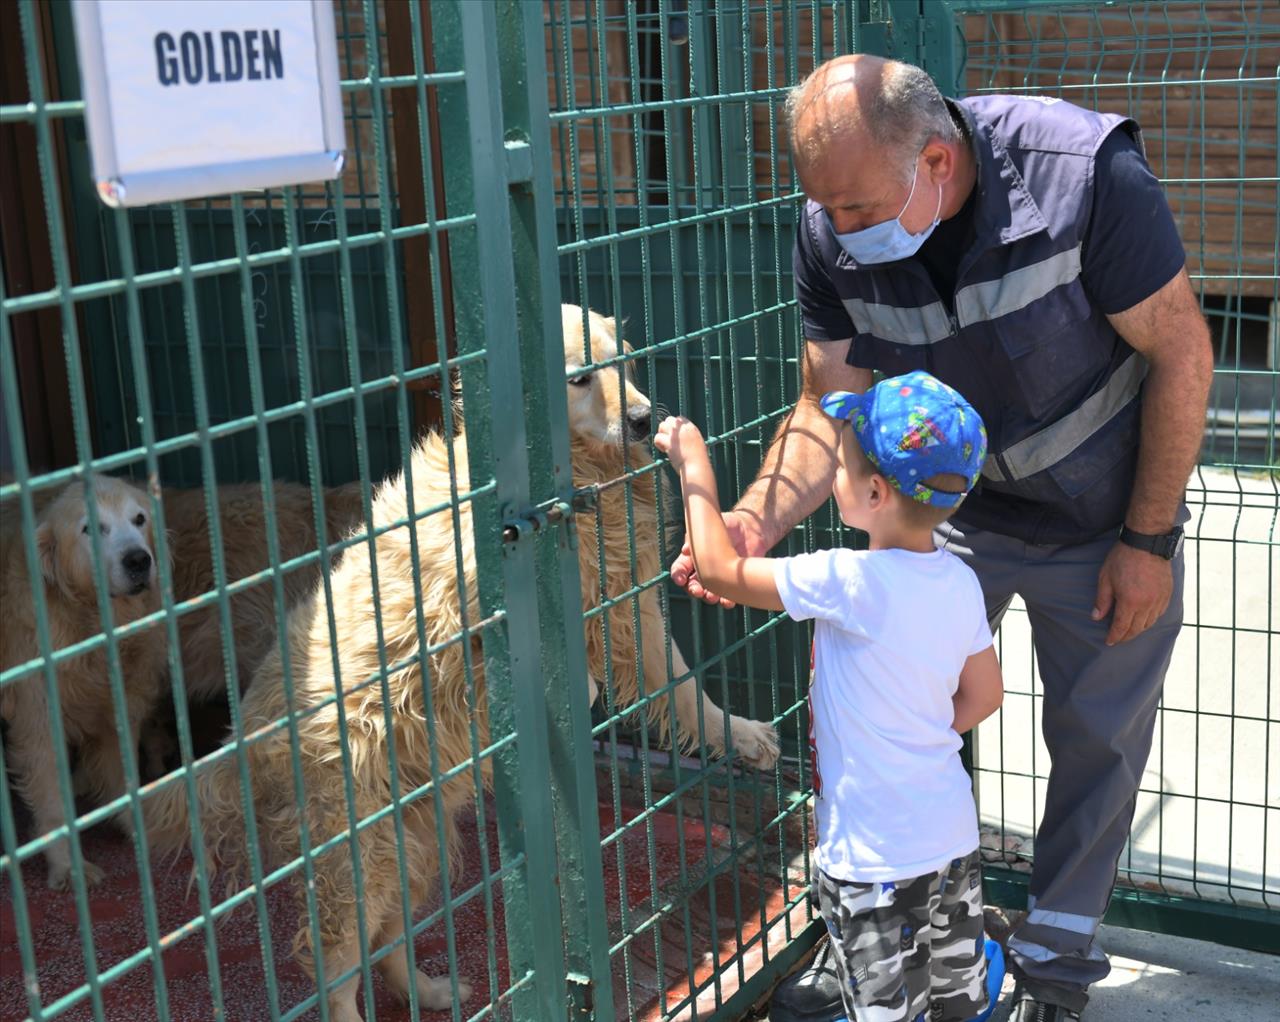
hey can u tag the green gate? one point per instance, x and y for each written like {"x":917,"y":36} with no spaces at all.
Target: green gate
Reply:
{"x":312,"y":333}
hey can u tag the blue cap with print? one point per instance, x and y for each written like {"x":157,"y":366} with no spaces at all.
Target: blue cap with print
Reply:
{"x":913,"y":427}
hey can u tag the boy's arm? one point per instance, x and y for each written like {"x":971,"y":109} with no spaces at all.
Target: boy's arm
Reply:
{"x":980,"y":692}
{"x":746,"y":580}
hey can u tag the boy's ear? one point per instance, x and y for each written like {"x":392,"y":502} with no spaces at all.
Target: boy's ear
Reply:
{"x":879,"y":489}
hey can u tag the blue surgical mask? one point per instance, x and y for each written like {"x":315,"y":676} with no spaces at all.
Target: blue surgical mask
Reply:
{"x":888,"y":241}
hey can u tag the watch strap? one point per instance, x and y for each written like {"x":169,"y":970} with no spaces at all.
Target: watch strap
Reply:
{"x":1162,"y":545}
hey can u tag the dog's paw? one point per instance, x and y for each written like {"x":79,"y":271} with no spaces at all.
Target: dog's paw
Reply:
{"x":755,"y":742}
{"x":60,"y":876}
{"x":436,"y":992}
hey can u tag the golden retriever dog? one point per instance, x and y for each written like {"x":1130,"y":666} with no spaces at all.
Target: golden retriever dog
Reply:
{"x":126,"y":545}
{"x":243,"y":522}
{"x":603,"y":408}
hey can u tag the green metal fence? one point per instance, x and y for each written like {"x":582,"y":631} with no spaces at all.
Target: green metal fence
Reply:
{"x":1201,"y":78}
{"x":312,"y":333}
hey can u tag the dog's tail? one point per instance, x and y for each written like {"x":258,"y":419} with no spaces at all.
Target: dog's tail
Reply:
{"x":167,"y":814}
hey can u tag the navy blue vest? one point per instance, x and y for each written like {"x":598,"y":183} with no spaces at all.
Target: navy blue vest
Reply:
{"x":1058,"y":388}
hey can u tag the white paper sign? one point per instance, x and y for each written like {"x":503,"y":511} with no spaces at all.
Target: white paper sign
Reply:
{"x":185,"y":100}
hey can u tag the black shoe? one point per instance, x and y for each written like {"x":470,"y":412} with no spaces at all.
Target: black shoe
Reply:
{"x":812,"y":995}
{"x":1027,"y":1009}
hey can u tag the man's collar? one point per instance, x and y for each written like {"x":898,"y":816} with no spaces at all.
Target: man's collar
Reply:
{"x":1004,"y":212}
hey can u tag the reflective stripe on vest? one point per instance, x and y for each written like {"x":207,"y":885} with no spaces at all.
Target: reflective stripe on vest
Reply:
{"x":1053,"y":443}
{"x":977,"y":303}
{"x":921,"y":324}
{"x":1017,"y":289}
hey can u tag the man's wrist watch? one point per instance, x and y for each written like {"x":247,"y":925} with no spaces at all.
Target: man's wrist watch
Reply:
{"x":1165,"y":545}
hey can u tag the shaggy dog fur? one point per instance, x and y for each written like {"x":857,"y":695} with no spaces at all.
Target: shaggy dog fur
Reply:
{"x":127,"y":549}
{"x":599,"y":412}
{"x":243,"y":523}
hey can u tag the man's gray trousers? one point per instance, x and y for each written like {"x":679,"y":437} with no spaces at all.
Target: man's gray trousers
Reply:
{"x":1098,"y":715}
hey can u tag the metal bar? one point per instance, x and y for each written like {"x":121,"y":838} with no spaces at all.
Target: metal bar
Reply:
{"x":489,"y":312}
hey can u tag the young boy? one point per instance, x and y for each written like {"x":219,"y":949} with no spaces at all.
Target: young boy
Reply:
{"x":903,"y":665}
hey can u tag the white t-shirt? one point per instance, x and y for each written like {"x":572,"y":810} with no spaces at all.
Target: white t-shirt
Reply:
{"x":893,"y":631}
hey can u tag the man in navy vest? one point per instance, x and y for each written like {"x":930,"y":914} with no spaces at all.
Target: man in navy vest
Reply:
{"x":1021,"y":250}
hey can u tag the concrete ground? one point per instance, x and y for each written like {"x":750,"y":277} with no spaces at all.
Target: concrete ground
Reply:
{"x":1155,"y":978}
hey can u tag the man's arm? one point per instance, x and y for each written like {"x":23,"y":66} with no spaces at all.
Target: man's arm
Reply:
{"x":1170,"y":332}
{"x":795,"y":478}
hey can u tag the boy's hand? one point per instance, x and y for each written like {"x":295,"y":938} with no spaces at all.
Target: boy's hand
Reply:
{"x":679,"y":439}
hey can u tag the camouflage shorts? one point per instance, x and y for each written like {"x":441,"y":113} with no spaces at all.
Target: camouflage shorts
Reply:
{"x":910,"y":951}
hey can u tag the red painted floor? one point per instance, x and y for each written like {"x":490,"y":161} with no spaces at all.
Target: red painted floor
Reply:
{"x":118,"y":932}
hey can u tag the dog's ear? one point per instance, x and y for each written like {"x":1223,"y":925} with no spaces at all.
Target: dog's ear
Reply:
{"x":618,"y":324}
{"x":46,"y":547}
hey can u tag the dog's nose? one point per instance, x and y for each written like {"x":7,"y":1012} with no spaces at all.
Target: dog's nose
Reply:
{"x":137,"y":562}
{"x":640,"y":424}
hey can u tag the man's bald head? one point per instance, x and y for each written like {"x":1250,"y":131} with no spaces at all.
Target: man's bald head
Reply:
{"x":860,"y":101}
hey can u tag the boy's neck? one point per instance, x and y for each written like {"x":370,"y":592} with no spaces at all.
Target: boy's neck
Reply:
{"x":895,"y":536}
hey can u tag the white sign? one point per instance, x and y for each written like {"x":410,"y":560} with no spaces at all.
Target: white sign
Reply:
{"x":185,"y":100}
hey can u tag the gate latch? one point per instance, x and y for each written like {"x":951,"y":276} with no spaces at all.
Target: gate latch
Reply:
{"x":517,"y":525}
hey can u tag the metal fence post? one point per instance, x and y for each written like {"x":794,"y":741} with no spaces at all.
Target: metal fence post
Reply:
{"x":527,"y":127}
{"x":486,"y":309}
{"x":920,"y":32}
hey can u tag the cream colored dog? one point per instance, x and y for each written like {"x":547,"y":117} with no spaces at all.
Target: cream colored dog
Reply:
{"x":600,"y":411}
{"x":126,"y":545}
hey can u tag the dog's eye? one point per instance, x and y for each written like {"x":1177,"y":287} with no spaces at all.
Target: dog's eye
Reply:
{"x":583,"y":380}
{"x":140,"y":520}
{"x":85,"y":528}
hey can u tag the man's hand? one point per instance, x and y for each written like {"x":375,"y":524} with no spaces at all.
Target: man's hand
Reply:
{"x":746,"y":540}
{"x":1138,"y":585}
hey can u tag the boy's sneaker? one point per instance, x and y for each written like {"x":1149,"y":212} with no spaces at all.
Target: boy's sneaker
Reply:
{"x":1027,"y":1009}
{"x":811,"y":995}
